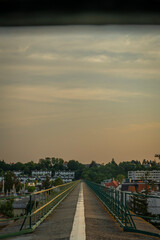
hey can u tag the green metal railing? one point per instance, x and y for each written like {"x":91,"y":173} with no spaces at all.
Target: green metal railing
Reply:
{"x":145,"y":208}
{"x":113,"y":201}
{"x":40,"y":205}
{"x":118,"y":204}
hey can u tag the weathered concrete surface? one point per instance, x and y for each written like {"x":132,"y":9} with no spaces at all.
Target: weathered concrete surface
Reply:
{"x":143,"y":225}
{"x":100,"y":225}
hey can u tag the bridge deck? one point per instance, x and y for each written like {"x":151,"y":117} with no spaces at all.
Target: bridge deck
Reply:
{"x":144,"y":226}
{"x":99,"y":224}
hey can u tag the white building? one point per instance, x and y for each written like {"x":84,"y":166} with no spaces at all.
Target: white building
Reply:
{"x":154,"y":203}
{"x":18,"y":173}
{"x":66,"y":176}
{"x":41,"y":173}
{"x":147,"y":175}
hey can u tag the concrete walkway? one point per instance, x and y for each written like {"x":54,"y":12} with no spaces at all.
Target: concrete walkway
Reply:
{"x":100,"y":225}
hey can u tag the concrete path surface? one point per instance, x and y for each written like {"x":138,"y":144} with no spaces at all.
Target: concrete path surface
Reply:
{"x":81,"y":216}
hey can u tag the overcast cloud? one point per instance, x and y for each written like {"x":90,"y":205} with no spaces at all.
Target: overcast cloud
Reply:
{"x":84,"y":93}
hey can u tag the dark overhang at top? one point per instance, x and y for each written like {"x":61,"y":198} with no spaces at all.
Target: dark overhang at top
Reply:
{"x":36,"y":12}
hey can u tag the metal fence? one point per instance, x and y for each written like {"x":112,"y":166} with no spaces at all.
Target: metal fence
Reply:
{"x":40,"y":205}
{"x":127,"y":209}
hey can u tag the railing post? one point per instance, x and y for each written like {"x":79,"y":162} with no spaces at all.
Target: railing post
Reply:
{"x":112,"y":191}
{"x":122,"y":206}
{"x":30,"y":211}
{"x":116,"y":201}
{"x":110,"y":194}
{"x":114,"y":205}
{"x":118,"y":204}
{"x":125,"y":210}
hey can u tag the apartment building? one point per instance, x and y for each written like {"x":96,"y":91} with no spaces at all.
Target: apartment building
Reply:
{"x":41,"y":173}
{"x":146,"y":175}
{"x":66,"y":176}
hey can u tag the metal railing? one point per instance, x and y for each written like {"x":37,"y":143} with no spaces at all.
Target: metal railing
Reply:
{"x":112,"y":200}
{"x":145,"y":208}
{"x":40,"y":205}
{"x":119,"y":204}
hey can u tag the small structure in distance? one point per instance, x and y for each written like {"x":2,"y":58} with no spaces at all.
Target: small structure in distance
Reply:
{"x":157,"y":155}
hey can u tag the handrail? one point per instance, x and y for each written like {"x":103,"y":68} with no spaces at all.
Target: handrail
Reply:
{"x":40,"y":205}
{"x":50,"y":201}
{"x":117,"y":203}
{"x":45,"y":190}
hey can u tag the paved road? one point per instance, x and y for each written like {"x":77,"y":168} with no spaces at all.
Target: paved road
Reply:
{"x":99,"y":224}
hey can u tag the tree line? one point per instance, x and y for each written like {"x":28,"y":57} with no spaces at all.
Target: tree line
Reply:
{"x":91,"y":172}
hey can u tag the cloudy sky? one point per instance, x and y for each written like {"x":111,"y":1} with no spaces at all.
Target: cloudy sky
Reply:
{"x":80,"y":92}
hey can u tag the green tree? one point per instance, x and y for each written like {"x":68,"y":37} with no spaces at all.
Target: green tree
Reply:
{"x":5,"y":166}
{"x":120,"y":177}
{"x":1,"y":172}
{"x":73,"y":165}
{"x":45,"y":164}
{"x":57,"y":161}
{"x":6,"y":208}
{"x":113,"y":162}
{"x":18,"y":185}
{"x":26,"y":170}
{"x":10,"y":179}
{"x":18,"y":166}
{"x":57,"y":164}
{"x":30,"y":166}
{"x":30,"y":188}
{"x":93,"y":164}
{"x":58,"y":181}
{"x":46,"y":183}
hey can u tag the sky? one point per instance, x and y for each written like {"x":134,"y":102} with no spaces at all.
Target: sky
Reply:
{"x":80,"y":92}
